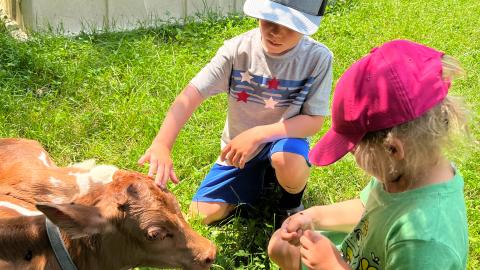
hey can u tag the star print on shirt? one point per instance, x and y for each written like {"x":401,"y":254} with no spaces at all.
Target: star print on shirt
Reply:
{"x":242,"y":96}
{"x":270,"y":103}
{"x":246,"y":77}
{"x":273,"y":83}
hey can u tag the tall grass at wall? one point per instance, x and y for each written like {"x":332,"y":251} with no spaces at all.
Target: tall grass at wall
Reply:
{"x":104,"y":96}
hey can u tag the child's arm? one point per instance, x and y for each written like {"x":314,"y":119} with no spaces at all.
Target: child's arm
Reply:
{"x":342,"y":216}
{"x":240,"y":149}
{"x":158,"y":154}
{"x":318,"y":252}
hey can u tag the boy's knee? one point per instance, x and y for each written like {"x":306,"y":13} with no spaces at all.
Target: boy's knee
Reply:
{"x":289,"y":162}
{"x":291,"y":170}
{"x":210,"y":211}
{"x":293,"y":189}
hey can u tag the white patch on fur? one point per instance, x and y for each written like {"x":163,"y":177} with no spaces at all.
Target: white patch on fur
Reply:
{"x":55,"y":182}
{"x":86,"y":164}
{"x":102,"y":174}
{"x":21,"y":210}
{"x":83,"y":182}
{"x":56,"y":200}
{"x":43,"y":159}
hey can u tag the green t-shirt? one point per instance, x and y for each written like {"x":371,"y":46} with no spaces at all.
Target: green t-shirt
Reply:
{"x":424,"y":228}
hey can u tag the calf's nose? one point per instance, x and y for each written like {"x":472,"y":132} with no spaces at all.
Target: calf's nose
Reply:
{"x":209,"y":256}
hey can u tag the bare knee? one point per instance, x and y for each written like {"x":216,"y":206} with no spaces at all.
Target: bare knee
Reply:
{"x":286,"y":256}
{"x":210,"y":211}
{"x":291,"y":170}
{"x":275,"y":247}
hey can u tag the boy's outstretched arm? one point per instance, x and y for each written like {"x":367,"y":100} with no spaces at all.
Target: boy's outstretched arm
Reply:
{"x":158,"y":154}
{"x":239,"y":150}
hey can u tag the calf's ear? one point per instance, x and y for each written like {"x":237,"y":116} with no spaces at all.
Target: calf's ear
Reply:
{"x":75,"y":219}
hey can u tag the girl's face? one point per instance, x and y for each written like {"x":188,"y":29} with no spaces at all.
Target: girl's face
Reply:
{"x":278,"y":39}
{"x":382,"y":162}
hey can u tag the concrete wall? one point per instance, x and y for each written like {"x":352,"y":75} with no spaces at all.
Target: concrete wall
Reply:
{"x":73,"y":16}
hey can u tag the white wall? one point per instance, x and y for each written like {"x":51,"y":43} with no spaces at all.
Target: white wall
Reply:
{"x":73,"y":16}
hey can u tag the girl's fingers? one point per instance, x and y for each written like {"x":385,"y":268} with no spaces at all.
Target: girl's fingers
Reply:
{"x":305,"y":241}
{"x":288,"y":235}
{"x":313,"y":236}
{"x":306,"y":261}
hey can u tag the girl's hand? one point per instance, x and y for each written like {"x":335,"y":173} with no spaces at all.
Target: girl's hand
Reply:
{"x":241,"y":148}
{"x":318,"y":253}
{"x":294,"y":227}
{"x":161,"y":164}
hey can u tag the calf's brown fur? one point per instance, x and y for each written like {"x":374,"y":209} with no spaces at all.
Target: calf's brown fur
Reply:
{"x":121,"y":224}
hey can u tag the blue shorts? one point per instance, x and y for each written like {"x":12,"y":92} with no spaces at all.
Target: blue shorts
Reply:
{"x":243,"y":186}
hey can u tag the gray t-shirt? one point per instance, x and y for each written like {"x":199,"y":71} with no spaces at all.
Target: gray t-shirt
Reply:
{"x":264,"y":89}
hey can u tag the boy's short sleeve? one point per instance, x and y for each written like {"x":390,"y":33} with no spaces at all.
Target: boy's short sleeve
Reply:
{"x":214,"y":77}
{"x":319,"y":96}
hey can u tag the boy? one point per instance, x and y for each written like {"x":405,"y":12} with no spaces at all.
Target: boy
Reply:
{"x":278,"y":82}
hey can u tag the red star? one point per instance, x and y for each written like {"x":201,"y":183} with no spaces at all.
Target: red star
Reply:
{"x":242,"y":96}
{"x":273,"y":83}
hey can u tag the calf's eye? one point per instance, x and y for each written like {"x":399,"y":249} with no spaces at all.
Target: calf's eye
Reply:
{"x":156,"y":233}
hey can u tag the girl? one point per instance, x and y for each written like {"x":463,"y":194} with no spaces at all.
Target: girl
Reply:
{"x":391,"y":111}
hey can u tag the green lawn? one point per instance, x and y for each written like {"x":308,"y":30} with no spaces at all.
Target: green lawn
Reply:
{"x":105,"y":95}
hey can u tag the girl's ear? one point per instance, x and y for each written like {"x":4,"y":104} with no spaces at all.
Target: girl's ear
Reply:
{"x":396,"y":149}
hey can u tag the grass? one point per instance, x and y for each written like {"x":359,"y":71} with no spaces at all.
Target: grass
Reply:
{"x":105,"y":95}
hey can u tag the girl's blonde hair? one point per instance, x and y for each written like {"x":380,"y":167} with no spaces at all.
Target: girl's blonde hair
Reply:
{"x":423,"y":138}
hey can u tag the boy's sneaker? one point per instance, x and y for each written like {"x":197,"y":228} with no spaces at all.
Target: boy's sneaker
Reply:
{"x":282,"y":214}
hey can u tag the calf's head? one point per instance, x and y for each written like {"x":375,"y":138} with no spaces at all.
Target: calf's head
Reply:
{"x":136,"y":223}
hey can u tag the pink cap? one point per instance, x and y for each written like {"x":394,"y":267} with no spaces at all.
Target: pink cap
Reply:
{"x":396,"y":83}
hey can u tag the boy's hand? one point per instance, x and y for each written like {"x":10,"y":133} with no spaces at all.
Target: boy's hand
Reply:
{"x":241,"y":148}
{"x":161,"y":164}
{"x":318,"y":253}
{"x":294,"y":227}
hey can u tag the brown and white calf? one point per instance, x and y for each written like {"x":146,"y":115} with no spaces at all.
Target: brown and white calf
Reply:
{"x":108,"y":218}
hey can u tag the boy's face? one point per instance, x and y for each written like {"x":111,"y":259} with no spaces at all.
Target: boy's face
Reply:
{"x":278,"y":39}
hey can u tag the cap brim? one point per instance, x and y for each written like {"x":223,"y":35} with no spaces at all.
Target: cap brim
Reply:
{"x":271,"y":11}
{"x":332,"y":147}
